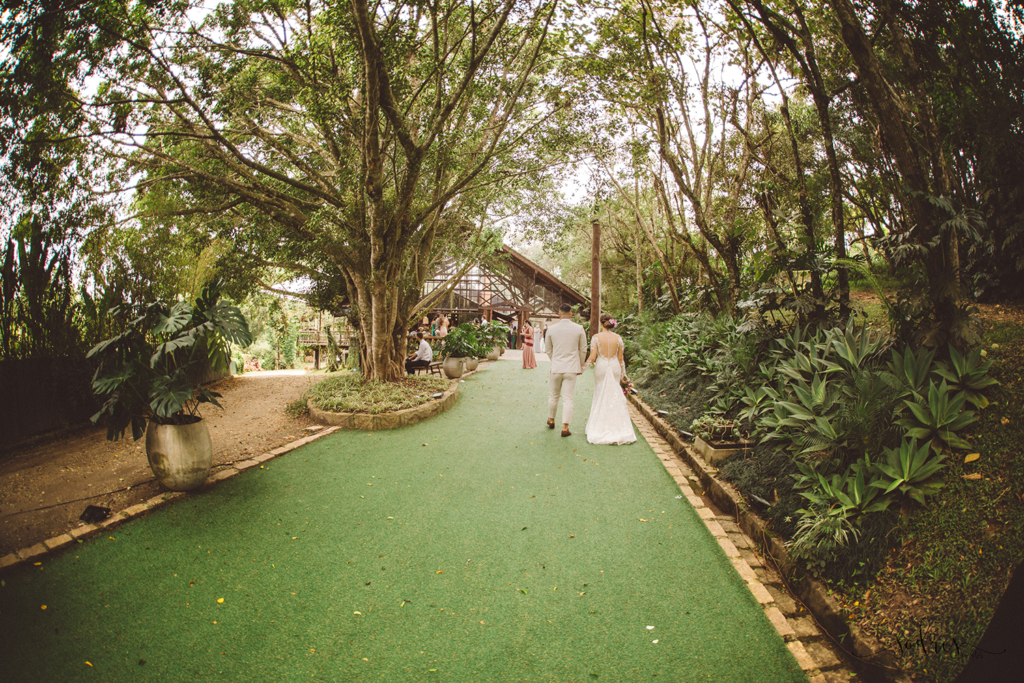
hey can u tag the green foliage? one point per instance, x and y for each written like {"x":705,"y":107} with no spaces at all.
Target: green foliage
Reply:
{"x":937,"y":419}
{"x":968,"y":374}
{"x":713,"y":429}
{"x":460,"y":342}
{"x":350,"y":393}
{"x":910,"y":470}
{"x":911,"y":370}
{"x":144,"y":372}
{"x":492,"y":334}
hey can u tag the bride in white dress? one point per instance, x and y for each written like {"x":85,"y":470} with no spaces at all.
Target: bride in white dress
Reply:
{"x":609,"y":421}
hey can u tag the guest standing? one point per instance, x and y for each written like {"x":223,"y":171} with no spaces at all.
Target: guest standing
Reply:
{"x":529,"y":359}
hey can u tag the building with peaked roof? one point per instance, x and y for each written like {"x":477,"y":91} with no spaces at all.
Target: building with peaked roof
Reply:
{"x":525,"y":291}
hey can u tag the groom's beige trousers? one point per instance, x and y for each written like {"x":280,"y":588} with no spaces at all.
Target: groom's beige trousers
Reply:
{"x":562,"y":384}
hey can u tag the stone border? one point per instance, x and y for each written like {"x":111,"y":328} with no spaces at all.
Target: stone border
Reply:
{"x":872,"y":661}
{"x":37,"y":552}
{"x":399,"y":418}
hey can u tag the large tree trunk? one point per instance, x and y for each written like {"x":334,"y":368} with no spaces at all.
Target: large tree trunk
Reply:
{"x":940,"y":264}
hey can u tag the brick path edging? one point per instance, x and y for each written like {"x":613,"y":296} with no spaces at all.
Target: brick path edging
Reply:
{"x":872,"y":661}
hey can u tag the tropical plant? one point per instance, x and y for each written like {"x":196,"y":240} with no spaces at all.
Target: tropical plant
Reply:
{"x":494,"y":333}
{"x":968,"y":374}
{"x":460,"y":342}
{"x":806,"y":421}
{"x":938,"y":419}
{"x":757,"y":402}
{"x":149,"y":371}
{"x":911,"y":370}
{"x":856,"y":347}
{"x":910,"y":470}
{"x":714,"y":429}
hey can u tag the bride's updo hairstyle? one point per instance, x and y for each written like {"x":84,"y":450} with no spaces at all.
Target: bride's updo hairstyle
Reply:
{"x":608,"y":322}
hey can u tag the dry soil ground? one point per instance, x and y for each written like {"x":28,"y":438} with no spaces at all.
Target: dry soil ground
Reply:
{"x":45,"y":486}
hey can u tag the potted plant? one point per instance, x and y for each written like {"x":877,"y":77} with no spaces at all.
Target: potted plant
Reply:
{"x":149,"y":374}
{"x":494,"y":335}
{"x":459,"y":344}
{"x":716,"y":438}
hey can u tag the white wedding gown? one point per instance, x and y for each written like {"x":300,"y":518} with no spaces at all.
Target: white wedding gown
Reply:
{"x":609,"y":421}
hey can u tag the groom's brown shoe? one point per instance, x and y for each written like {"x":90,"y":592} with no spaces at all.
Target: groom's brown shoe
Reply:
{"x":566,"y":432}
{"x":551,"y":424}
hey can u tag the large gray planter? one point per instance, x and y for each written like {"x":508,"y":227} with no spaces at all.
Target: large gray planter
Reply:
{"x":179,"y":455}
{"x":471,"y":364}
{"x":495,"y":353}
{"x":452,"y":367}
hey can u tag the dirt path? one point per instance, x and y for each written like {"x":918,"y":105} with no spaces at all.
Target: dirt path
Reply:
{"x":44,"y":487}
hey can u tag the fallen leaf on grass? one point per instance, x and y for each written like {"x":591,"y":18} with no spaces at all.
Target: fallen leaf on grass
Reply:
{"x":220,"y":600}
{"x":976,"y":475}
{"x":1005,"y":421}
{"x":43,"y":607}
{"x":88,"y":663}
{"x":642,"y":520}
{"x":522,"y":590}
{"x":971,"y":457}
{"x":359,"y":613}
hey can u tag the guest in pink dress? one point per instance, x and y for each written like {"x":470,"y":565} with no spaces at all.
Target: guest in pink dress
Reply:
{"x":529,"y":359}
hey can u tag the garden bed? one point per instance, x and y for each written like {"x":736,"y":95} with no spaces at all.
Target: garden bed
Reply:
{"x":933,"y":572}
{"x":349,"y":393}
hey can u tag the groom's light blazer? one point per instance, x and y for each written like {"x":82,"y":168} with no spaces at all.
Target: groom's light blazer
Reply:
{"x":566,"y":345}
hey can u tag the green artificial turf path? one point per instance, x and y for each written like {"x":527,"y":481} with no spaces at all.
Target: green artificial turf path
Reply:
{"x":476,"y":546}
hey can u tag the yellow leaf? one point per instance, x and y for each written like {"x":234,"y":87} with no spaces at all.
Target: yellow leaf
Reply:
{"x":220,"y":600}
{"x":971,"y":457}
{"x":440,"y":572}
{"x":88,"y":663}
{"x":972,"y":476}
{"x":359,"y":613}
{"x":43,"y":607}
{"x":1005,"y":421}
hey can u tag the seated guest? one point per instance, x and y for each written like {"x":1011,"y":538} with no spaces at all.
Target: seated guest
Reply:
{"x":421,"y":359}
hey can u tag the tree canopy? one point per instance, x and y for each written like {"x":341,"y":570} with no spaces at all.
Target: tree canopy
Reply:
{"x":747,"y":152}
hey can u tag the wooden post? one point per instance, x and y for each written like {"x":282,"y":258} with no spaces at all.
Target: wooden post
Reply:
{"x":595,"y":279}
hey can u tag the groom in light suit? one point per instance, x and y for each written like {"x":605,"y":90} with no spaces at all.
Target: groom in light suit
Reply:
{"x":566,"y":345}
